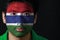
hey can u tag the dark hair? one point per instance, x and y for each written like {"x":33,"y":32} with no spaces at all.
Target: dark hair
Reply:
{"x":29,"y":1}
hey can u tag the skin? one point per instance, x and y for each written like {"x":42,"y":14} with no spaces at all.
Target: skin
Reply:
{"x":22,"y":7}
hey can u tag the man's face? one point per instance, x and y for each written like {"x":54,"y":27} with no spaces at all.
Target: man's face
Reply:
{"x":19,"y":18}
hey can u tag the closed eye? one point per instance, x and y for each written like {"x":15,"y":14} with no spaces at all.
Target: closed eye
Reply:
{"x":9,"y":14}
{"x":18,"y":14}
{"x":28,"y":14}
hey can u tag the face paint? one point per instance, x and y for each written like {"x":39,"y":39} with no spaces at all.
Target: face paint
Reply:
{"x":22,"y":18}
{"x":19,"y":24}
{"x":13,"y":30}
{"x":19,"y":7}
{"x":15,"y":22}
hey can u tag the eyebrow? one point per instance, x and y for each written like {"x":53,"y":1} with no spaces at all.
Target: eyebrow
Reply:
{"x":26,"y":11}
{"x":14,"y":11}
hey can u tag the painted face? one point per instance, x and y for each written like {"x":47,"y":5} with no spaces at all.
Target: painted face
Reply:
{"x":19,"y":18}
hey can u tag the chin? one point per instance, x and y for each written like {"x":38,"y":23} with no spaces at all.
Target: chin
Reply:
{"x":20,"y":35}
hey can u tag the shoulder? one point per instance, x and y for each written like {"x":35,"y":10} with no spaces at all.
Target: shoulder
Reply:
{"x":37,"y":37}
{"x":4,"y":36}
{"x":41,"y":38}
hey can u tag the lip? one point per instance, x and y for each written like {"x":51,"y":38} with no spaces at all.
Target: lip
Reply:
{"x":19,"y":29}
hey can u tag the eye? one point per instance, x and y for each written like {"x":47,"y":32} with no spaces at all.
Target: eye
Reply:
{"x":9,"y":14}
{"x":18,"y":14}
{"x":26,"y":14}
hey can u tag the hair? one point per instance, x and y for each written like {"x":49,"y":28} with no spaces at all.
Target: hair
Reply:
{"x":28,"y":1}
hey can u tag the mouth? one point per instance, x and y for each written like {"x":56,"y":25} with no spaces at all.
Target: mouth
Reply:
{"x":20,"y":29}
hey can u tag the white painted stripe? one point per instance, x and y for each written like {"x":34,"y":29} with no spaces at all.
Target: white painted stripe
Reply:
{"x":27,"y":23}
{"x":17,"y":24}
{"x":24,"y":14}
{"x":8,"y":14}
{"x":19,"y":14}
{"x":32,"y":14}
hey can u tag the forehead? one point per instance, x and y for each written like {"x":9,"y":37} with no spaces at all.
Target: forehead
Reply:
{"x":19,"y":7}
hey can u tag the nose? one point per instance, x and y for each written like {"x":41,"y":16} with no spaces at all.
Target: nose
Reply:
{"x":19,"y":24}
{"x":18,"y":19}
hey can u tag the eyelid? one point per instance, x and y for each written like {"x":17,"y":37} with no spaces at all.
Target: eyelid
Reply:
{"x":23,"y":14}
{"x":9,"y":14}
{"x":18,"y":14}
{"x":32,"y":14}
{"x":29,"y":14}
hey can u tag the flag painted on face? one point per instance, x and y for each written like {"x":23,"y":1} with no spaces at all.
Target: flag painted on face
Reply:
{"x":19,"y":18}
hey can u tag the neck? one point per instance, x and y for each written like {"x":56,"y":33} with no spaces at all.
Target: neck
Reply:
{"x":12,"y":37}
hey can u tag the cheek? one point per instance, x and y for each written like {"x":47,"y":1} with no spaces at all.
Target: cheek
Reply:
{"x":28,"y":27}
{"x":28,"y":19}
{"x":20,"y":19}
{"x":11,"y":28}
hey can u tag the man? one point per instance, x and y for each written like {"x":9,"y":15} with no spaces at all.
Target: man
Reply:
{"x":19,"y":19}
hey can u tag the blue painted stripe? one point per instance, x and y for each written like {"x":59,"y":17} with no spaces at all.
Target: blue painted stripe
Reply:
{"x":19,"y":19}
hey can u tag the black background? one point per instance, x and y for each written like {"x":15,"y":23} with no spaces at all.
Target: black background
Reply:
{"x":47,"y":22}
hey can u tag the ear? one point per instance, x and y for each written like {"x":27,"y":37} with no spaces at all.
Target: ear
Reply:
{"x":35,"y":19}
{"x":3,"y":17}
